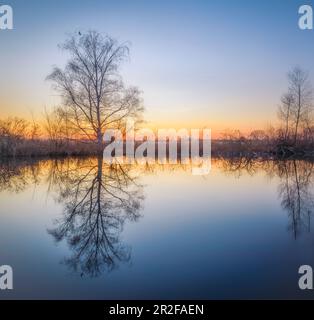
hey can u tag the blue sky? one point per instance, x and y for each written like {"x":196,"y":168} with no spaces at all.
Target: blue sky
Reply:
{"x":215,"y":63}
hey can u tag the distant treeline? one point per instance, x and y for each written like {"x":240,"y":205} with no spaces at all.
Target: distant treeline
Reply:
{"x":21,"y":138}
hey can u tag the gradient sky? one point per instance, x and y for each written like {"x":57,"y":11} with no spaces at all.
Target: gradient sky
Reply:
{"x":215,"y":63}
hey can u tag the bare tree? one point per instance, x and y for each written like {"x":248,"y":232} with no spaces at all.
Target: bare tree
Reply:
{"x":34,"y":130}
{"x":15,"y":128}
{"x":57,"y":127}
{"x":93,"y":92}
{"x":12,"y":132}
{"x":301,"y":92}
{"x":285,"y":113}
{"x":258,"y":135}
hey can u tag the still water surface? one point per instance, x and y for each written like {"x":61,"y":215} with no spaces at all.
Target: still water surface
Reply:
{"x":78,"y":229}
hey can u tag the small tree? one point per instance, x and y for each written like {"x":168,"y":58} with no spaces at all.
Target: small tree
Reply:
{"x":285,"y":114}
{"x":300,"y":90}
{"x":12,"y":132}
{"x":57,"y":127}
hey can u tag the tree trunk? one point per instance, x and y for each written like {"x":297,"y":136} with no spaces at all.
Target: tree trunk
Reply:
{"x":287,"y":124}
{"x":99,"y":141}
{"x":298,"y":117}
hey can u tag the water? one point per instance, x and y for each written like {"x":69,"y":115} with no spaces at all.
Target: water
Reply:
{"x":78,"y":229}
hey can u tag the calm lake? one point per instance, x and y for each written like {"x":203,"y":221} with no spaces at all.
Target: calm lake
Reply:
{"x":79,"y":229}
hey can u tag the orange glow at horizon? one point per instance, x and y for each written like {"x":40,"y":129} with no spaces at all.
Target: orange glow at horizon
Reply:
{"x":217,"y":125}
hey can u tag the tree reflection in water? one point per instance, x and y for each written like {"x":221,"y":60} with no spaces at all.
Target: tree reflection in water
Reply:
{"x":15,"y":176}
{"x":296,"y":192}
{"x":98,"y":199}
{"x":296,"y":187}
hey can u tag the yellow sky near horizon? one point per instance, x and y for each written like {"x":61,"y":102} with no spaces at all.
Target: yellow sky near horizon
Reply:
{"x":29,"y":105}
{"x":163,"y":120}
